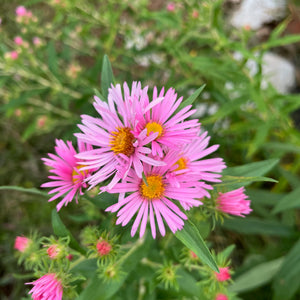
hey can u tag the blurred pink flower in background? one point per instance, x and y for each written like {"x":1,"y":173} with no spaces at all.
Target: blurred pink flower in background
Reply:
{"x":171,"y":6}
{"x":21,"y":11}
{"x":36,"y":41}
{"x":22,"y":243}
{"x":18,"y":40}
{"x":13,"y":55}
{"x":234,"y":203}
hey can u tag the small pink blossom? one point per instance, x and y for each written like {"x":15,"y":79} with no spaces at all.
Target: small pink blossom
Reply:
{"x":53,"y":251}
{"x":223,"y":275}
{"x":70,"y":257}
{"x":171,"y":6}
{"x":36,"y":41}
{"x":234,"y":202}
{"x":47,"y":287}
{"x":221,"y":297}
{"x":22,"y":243}
{"x":103,"y":248}
{"x":13,"y":55}
{"x":18,"y":40}
{"x":195,"y":14}
{"x":21,"y":11}
{"x":41,"y":121}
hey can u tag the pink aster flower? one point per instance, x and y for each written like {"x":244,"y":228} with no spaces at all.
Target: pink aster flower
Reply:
{"x":18,"y":40}
{"x":47,"y":287}
{"x":22,"y":243}
{"x":117,"y":146}
{"x":68,"y":179}
{"x":234,"y":202}
{"x":171,"y":128}
{"x":191,"y":162}
{"x":223,"y":275}
{"x":221,"y":297}
{"x":21,"y":11}
{"x":155,"y":199}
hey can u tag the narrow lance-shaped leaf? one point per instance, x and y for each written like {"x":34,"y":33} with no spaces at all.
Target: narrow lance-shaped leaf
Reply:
{"x":257,"y":276}
{"x":253,"y":169}
{"x":107,"y":77}
{"x":190,"y":100}
{"x":286,"y":282}
{"x":192,"y":239}
{"x":292,"y":200}
{"x":61,"y":230}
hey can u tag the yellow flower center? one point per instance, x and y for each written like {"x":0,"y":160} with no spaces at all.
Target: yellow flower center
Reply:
{"x":154,"y":127}
{"x":76,"y":172}
{"x":154,"y":188}
{"x":121,"y":141}
{"x":181,"y":162}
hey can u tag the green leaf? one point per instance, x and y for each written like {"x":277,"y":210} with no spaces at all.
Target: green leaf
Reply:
{"x":107,"y":77}
{"x":25,"y":190}
{"x":190,"y":100}
{"x":61,"y":230}
{"x":289,"y":39}
{"x":251,"y":225}
{"x":264,"y":197}
{"x":104,"y":200}
{"x":97,"y":289}
{"x":188,"y":284}
{"x":257,"y":276}
{"x":291,"y":200}
{"x":253,"y":169}
{"x":99,"y":95}
{"x":52,"y":57}
{"x":286,"y":282}
{"x":239,"y":181}
{"x":192,"y":239}
{"x":86,"y":268}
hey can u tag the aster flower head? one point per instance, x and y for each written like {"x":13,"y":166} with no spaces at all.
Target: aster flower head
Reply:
{"x":153,"y":196}
{"x":117,"y":146}
{"x":22,"y":243}
{"x":170,"y":126}
{"x":68,"y":179}
{"x":224,"y":274}
{"x":234,"y":202}
{"x":191,"y":162}
{"x":47,"y":287}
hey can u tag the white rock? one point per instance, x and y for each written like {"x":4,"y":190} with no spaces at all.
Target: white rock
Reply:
{"x":276,"y":70}
{"x":254,"y":13}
